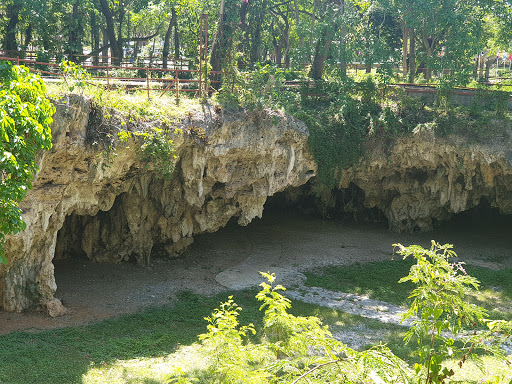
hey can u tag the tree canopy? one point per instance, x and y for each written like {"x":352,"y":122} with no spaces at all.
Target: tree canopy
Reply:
{"x":442,"y":37}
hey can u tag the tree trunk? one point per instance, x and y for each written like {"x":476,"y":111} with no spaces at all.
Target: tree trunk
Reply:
{"x":286,"y":43}
{"x":75,"y":34}
{"x":321,"y":51}
{"x":324,"y":43}
{"x":256,"y":40}
{"x":167,"y":38}
{"x":428,"y":72}
{"x":104,"y":54}
{"x":95,"y":37}
{"x":481,"y":65}
{"x":9,"y":43}
{"x":117,"y":53}
{"x":488,"y":63}
{"x":405,"y":38}
{"x":297,"y":22}
{"x":28,"y":39}
{"x":412,"y":56}
{"x":243,"y":25}
{"x":219,"y":42}
{"x":277,"y":51}
{"x":343,"y":32}
{"x":176,"y":42}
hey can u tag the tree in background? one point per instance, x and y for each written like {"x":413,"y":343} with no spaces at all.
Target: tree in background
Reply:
{"x":446,"y":34}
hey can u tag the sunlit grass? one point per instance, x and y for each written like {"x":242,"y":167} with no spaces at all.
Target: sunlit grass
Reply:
{"x":379,"y":280}
{"x":147,"y":347}
{"x":134,"y":105}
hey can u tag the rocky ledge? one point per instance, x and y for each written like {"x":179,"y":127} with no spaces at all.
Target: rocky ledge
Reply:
{"x":109,"y":208}
{"x":422,"y":179}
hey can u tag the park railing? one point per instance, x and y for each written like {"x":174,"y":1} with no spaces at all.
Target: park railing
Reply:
{"x":177,"y":79}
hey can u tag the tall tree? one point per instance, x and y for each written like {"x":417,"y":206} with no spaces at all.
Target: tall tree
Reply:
{"x":327,"y":31}
{"x":13,"y":10}
{"x":448,"y":31}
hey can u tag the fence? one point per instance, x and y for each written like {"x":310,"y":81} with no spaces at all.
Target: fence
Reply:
{"x":148,"y":78}
{"x":178,"y":79}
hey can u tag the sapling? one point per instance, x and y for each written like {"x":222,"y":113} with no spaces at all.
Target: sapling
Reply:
{"x":446,"y":325}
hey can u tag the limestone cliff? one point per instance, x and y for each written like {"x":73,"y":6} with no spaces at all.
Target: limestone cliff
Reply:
{"x":111,"y":209}
{"x":118,"y":211}
{"x":423,"y":179}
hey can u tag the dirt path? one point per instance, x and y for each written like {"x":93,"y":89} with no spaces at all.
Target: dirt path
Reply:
{"x":282,"y":243}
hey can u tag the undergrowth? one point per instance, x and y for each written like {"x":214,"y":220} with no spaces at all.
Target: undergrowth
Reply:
{"x":347,"y":119}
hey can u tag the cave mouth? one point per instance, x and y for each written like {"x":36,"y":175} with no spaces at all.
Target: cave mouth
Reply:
{"x":69,"y":239}
{"x":482,"y":218}
{"x":343,"y":205}
{"x":101,"y":238}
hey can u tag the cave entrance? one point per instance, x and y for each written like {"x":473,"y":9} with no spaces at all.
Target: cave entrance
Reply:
{"x":478,"y":231}
{"x":345,"y":205}
{"x":483,"y":218}
{"x":95,"y":238}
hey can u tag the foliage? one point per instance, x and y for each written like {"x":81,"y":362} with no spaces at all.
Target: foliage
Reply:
{"x":157,"y":151}
{"x":25,"y":119}
{"x":293,"y":349}
{"x":339,"y":116}
{"x":74,"y":75}
{"x":443,"y":313}
{"x":231,"y":356}
{"x":264,"y":87}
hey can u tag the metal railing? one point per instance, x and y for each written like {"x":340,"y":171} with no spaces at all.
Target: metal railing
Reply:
{"x":147,"y":78}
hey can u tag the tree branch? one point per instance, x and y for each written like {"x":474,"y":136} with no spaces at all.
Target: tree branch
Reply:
{"x":314,"y":369}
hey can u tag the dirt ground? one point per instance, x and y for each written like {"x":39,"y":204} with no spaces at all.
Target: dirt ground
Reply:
{"x":284,"y":243}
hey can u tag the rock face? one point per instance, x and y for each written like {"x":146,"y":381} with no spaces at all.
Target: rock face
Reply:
{"x":111,"y":209}
{"x":423,"y":180}
{"x":116,"y":211}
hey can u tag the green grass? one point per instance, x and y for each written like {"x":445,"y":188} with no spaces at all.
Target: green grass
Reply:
{"x":134,"y":106}
{"x":143,"y":348}
{"x":379,"y":280}
{"x":64,"y":355}
{"x":125,"y":343}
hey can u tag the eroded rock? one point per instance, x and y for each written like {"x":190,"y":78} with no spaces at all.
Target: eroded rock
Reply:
{"x":118,"y":211}
{"x":423,"y":179}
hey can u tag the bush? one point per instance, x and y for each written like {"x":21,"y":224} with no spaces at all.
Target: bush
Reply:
{"x":295,"y":348}
{"x":25,"y":119}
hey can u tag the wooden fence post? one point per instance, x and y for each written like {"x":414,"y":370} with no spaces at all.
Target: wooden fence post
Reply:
{"x":177,"y":85}
{"x":147,"y":78}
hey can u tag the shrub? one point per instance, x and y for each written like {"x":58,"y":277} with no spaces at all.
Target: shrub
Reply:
{"x":25,"y":119}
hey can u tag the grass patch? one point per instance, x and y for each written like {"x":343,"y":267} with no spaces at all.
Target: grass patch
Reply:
{"x":65,"y":355}
{"x":379,"y":281}
{"x":135,"y":105}
{"x":135,"y":348}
